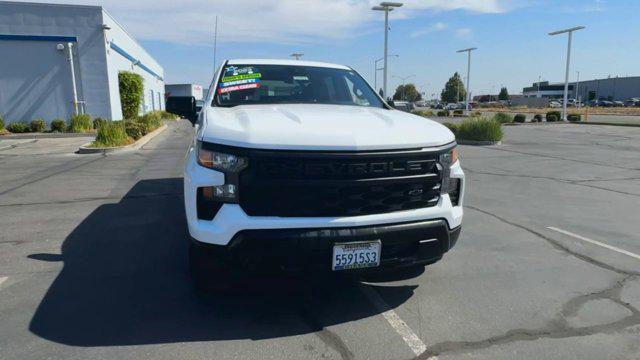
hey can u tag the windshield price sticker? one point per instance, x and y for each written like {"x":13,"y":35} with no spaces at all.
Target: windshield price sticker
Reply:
{"x":233,"y":73}
{"x":238,"y":87}
{"x":239,"y":82}
{"x":241,"y":77}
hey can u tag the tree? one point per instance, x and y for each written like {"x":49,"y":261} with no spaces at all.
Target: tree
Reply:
{"x":131,"y":92}
{"x":407,"y":92}
{"x":453,"y":91}
{"x":381,"y":93}
{"x":504,"y":94}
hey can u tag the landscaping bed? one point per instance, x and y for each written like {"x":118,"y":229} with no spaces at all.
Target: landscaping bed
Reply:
{"x":131,"y":144}
{"x":477,"y":131}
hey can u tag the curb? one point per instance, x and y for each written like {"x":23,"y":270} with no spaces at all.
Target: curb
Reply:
{"x":478,"y":142}
{"x":85,"y":149}
{"x":46,"y":135}
{"x":537,"y":123}
{"x":603,"y":123}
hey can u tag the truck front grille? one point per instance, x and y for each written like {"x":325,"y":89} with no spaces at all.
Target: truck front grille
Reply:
{"x":333,"y":184}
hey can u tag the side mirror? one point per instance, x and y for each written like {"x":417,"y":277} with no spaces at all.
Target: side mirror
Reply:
{"x":184,"y":106}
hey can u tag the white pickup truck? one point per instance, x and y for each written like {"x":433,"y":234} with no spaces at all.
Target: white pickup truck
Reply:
{"x":302,"y":165}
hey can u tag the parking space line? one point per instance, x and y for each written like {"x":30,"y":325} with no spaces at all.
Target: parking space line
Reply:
{"x":595,"y":242}
{"x":410,"y":338}
{"x":2,"y":279}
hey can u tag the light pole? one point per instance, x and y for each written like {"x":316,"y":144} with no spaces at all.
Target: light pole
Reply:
{"x":296,"y":55}
{"x":468,"y":51}
{"x":376,"y":71}
{"x":576,"y":89}
{"x":386,"y":7}
{"x":403,"y":80}
{"x":423,"y":89}
{"x":566,"y":75}
{"x":539,"y":79}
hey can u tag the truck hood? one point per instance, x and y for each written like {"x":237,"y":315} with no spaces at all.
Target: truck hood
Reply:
{"x":320,"y":127}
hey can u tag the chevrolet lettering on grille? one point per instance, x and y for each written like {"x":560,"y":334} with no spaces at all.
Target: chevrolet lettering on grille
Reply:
{"x":379,"y":168}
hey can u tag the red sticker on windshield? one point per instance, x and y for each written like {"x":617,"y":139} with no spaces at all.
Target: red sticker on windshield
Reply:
{"x":238,"y":87}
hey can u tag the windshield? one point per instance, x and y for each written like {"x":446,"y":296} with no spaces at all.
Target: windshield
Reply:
{"x":292,"y":84}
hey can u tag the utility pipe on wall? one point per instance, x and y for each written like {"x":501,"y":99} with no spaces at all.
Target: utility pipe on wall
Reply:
{"x":73,"y":78}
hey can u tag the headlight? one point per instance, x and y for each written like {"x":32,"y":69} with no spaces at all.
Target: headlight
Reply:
{"x":449,"y":158}
{"x":446,"y":160}
{"x":220,"y":161}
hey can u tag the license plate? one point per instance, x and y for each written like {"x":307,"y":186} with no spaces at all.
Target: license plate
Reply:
{"x":356,"y":255}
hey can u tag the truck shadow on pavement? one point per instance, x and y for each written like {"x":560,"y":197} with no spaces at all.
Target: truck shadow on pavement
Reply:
{"x":125,"y":282}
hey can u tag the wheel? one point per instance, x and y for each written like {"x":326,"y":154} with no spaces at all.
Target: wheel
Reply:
{"x":210,"y":270}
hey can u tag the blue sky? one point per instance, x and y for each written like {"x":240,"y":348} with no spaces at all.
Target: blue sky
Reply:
{"x":511,"y":36}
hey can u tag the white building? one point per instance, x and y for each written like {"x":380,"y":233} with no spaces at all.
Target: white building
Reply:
{"x":37,"y":77}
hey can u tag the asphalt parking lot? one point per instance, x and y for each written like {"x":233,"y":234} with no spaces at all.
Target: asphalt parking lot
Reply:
{"x":93,"y":253}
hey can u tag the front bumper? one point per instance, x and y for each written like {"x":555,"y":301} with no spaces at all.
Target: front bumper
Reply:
{"x":230,"y":220}
{"x":403,"y":244}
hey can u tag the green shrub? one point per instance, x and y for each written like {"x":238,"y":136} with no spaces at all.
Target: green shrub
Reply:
{"x":458,"y":112}
{"x":97,"y":122}
{"x":520,"y":118}
{"x":443,"y":113}
{"x":480,"y":129}
{"x":424,"y":113}
{"x":475,"y":114}
{"x":1,"y":123}
{"x":135,"y":129}
{"x":503,"y":118}
{"x":556,"y":113}
{"x":131,"y":88}
{"x":18,"y":127}
{"x":58,"y":125}
{"x":453,"y":127}
{"x":537,"y":118}
{"x":38,"y":125}
{"x":574,"y":117}
{"x":168,"y":115}
{"x":80,"y":123}
{"x":111,"y":134}
{"x":152,"y":120}
{"x":552,"y":118}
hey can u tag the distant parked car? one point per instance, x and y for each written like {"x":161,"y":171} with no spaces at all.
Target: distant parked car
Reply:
{"x":618,"y":103}
{"x":403,"y":106}
{"x":555,"y":104}
{"x":632,"y":102}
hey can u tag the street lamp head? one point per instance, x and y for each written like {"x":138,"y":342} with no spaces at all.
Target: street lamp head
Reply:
{"x":379,"y":8}
{"x":469,"y":49}
{"x":566,"y":30}
{"x":391,"y":4}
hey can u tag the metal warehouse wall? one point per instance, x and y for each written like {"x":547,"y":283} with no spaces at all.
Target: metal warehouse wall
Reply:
{"x":125,"y":54}
{"x":616,"y":88}
{"x":35,"y":79}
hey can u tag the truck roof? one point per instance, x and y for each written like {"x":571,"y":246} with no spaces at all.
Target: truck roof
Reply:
{"x":285,"y":62}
